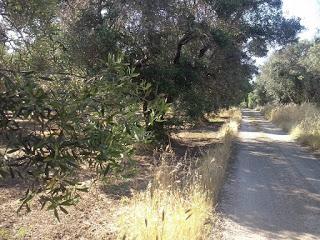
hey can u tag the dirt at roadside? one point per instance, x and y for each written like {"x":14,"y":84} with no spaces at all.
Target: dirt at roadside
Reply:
{"x":94,"y":217}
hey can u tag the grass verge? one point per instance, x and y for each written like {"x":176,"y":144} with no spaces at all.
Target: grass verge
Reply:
{"x":179,"y":203}
{"x":301,"y":121}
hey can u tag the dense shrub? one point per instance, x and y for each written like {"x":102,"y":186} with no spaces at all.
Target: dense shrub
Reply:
{"x":291,"y":75}
{"x":54,"y":128}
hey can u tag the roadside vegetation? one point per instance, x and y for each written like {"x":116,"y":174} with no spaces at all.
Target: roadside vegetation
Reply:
{"x":93,"y":91}
{"x":301,"y":121}
{"x":291,"y":75}
{"x":180,"y":202}
{"x":289,"y":89}
{"x":185,"y":175}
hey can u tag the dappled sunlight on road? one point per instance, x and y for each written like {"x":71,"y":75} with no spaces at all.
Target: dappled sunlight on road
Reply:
{"x":273,"y":189}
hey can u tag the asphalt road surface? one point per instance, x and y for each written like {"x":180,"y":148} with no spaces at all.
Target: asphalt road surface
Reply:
{"x":273,"y":188}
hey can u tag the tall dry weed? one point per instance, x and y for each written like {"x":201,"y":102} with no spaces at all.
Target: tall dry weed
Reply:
{"x":301,"y":121}
{"x":180,"y":204}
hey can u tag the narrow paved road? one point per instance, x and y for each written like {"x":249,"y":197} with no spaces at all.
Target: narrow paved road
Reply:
{"x":273,"y":188}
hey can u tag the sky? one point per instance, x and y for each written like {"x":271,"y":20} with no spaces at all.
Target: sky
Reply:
{"x":309,"y":13}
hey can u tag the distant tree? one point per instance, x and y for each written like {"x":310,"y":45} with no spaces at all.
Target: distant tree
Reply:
{"x":311,"y":64}
{"x":291,"y":75}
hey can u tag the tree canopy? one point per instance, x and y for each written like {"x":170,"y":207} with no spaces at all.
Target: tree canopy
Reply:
{"x":291,"y":75}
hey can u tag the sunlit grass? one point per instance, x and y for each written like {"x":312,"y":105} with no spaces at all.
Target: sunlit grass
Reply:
{"x":215,"y":162}
{"x":4,"y":233}
{"x":166,"y":214}
{"x":175,"y":207}
{"x":301,"y":121}
{"x":196,"y":135}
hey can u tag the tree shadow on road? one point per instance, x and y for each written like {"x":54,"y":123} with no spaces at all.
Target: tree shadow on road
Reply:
{"x":273,"y":188}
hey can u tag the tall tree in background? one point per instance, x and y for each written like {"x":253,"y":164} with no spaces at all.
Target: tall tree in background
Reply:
{"x":190,"y":51}
{"x":291,"y":75}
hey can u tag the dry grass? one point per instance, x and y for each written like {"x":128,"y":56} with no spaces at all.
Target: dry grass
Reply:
{"x":93,"y":218}
{"x":301,"y":121}
{"x":180,"y":205}
{"x":165,"y":214}
{"x":196,"y":135}
{"x":232,"y":113}
{"x":215,"y":161}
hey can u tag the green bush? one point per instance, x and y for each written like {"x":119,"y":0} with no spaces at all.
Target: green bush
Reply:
{"x":54,"y":128}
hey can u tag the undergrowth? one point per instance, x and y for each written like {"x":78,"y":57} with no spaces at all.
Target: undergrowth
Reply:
{"x":301,"y":121}
{"x":179,"y":204}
